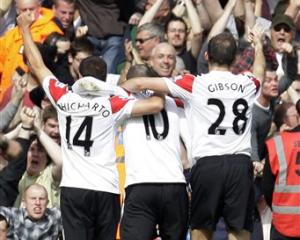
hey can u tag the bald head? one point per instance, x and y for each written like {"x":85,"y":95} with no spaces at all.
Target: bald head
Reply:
{"x":162,"y":47}
{"x":163,"y":59}
{"x":36,"y":187}
{"x":35,"y":201}
{"x":32,"y":6}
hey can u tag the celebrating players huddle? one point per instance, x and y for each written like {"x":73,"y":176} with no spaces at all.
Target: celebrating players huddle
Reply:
{"x":218,"y":119}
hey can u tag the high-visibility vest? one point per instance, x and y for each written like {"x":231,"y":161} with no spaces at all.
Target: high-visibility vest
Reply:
{"x":284,"y":156}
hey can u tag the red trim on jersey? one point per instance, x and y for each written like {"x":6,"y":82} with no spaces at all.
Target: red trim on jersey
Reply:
{"x":117,"y":103}
{"x":129,"y":93}
{"x":256,"y":82}
{"x":179,"y":102}
{"x":57,"y":91}
{"x":254,"y":79}
{"x":186,"y":82}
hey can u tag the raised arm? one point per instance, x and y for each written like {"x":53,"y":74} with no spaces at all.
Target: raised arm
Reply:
{"x":8,"y":114}
{"x":239,"y":10}
{"x":249,"y":16}
{"x":203,"y":14}
{"x":259,"y":63}
{"x":32,"y":53}
{"x":196,"y":26}
{"x":150,"y":13}
{"x":10,"y":147}
{"x":293,"y":8}
{"x":214,"y":9}
{"x":220,"y":25}
{"x":258,"y":8}
{"x":52,"y":148}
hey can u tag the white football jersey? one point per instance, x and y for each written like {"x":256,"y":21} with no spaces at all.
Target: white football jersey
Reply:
{"x":152,"y":147}
{"x":87,"y":127}
{"x":218,"y":108}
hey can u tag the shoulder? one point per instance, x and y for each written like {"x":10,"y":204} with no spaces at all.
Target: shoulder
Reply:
{"x":53,"y":213}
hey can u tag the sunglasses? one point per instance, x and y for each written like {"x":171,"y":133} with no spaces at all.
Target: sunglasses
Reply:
{"x":143,"y":40}
{"x":279,"y":27}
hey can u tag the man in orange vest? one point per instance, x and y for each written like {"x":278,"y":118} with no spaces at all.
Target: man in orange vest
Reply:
{"x":281,"y":183}
{"x":11,"y":44}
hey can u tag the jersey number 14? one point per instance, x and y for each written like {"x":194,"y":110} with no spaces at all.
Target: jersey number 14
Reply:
{"x":85,"y":142}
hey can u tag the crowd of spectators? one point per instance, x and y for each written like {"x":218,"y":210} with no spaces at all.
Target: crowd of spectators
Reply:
{"x":135,"y":38}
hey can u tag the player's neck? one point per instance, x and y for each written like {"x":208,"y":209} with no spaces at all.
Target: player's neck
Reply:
{"x":216,"y":67}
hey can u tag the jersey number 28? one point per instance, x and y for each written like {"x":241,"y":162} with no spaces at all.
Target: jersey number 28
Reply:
{"x":239,"y":109}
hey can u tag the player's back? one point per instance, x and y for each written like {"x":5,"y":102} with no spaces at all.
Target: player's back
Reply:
{"x":218,"y":106}
{"x":87,"y":127}
{"x":224,"y":103}
{"x":152,"y":147}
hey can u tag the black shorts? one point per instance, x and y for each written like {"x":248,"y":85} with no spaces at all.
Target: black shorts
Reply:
{"x":88,"y":214}
{"x":147,"y":205}
{"x":222,"y":186}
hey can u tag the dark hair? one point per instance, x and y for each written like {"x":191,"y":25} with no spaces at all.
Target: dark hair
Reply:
{"x":141,"y":70}
{"x":174,"y":18}
{"x":280,"y":113}
{"x":93,"y":66}
{"x":81,"y":45}
{"x":222,"y":49}
{"x":49,"y":112}
{"x":52,"y":39}
{"x":55,"y":2}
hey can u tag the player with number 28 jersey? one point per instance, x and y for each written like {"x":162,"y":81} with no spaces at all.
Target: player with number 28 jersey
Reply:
{"x":219,"y":106}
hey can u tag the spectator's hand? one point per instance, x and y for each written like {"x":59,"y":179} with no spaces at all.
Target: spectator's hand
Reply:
{"x":25,"y":19}
{"x":20,"y":83}
{"x":63,"y":46}
{"x":136,"y":57}
{"x":255,"y":35}
{"x":284,"y":127}
{"x":135,"y":18}
{"x":37,"y":123}
{"x":27,"y":117}
{"x":258,"y":168}
{"x":128,"y":50}
{"x":10,"y":149}
{"x":81,"y":31}
{"x":286,"y":47}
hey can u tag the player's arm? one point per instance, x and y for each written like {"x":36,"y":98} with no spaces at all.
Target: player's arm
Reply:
{"x":149,"y":105}
{"x":143,"y":83}
{"x":36,"y":63}
{"x":259,"y":63}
